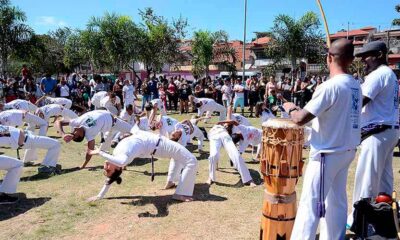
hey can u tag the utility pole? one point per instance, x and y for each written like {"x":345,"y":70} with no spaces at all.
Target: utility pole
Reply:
{"x":244,"y":40}
{"x":348,"y":29}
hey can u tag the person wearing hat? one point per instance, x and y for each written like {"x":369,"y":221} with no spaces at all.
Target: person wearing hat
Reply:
{"x":147,"y":144}
{"x":89,"y":125}
{"x":380,"y":125}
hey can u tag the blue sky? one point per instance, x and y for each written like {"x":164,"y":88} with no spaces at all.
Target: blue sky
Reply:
{"x":213,"y":15}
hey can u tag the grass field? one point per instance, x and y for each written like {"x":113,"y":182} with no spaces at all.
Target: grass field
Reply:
{"x":56,"y":207}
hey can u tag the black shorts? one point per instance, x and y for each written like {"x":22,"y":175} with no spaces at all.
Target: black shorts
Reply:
{"x":253,"y":98}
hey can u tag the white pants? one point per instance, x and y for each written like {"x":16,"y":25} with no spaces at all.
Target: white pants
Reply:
{"x":14,"y":169}
{"x":197,"y":133}
{"x":119,"y":126}
{"x":374,"y":172}
{"x":183,"y":165}
{"x":223,"y":139}
{"x":34,"y":121}
{"x":33,"y":142}
{"x":335,"y":179}
{"x":215,"y":108}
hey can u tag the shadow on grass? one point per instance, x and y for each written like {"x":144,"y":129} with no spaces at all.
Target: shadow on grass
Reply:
{"x":203,"y":156}
{"x":228,"y":170}
{"x":256,"y":176}
{"x":347,"y":237}
{"x":252,"y":162}
{"x":39,"y":176}
{"x":162,"y":203}
{"x":239,"y":184}
{"x":21,"y":207}
{"x":146,"y":173}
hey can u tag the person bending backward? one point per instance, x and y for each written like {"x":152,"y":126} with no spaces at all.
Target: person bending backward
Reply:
{"x":19,"y":139}
{"x":131,"y":114}
{"x":19,"y":117}
{"x":156,"y":104}
{"x":240,"y":119}
{"x":165,"y":125}
{"x":219,"y":137}
{"x":336,"y":102}
{"x":96,"y":99}
{"x":146,"y":144}
{"x":380,"y":125}
{"x":112,"y":103}
{"x":19,"y":104}
{"x":208,"y":106}
{"x":55,"y":110}
{"x":10,"y":181}
{"x":89,"y":125}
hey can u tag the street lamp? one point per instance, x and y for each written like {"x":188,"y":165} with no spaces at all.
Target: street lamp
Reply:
{"x":244,"y":40}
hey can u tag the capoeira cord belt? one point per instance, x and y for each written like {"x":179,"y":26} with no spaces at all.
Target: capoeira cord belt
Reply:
{"x":373,"y":128}
{"x":321,"y":202}
{"x":152,"y":159}
{"x":20,"y":146}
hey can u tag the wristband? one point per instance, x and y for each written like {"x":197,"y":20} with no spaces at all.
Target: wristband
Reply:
{"x":293,"y":109}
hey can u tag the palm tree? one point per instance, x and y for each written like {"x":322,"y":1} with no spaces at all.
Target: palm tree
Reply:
{"x":292,"y":40}
{"x":13,"y":32}
{"x":396,"y":21}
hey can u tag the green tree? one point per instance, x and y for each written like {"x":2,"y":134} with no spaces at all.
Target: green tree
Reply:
{"x":159,"y":40}
{"x":295,"y":39}
{"x":396,"y":21}
{"x":13,"y":31}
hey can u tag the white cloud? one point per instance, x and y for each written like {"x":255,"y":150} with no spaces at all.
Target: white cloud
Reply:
{"x":50,"y":21}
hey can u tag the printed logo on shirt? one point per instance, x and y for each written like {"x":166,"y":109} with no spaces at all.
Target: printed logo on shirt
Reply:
{"x":238,"y":119}
{"x":355,"y":108}
{"x":90,"y":122}
{"x":169,"y":123}
{"x":187,"y":129}
{"x":17,"y":106}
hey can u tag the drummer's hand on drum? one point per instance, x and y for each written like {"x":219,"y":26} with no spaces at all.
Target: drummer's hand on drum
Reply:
{"x":288,"y":106}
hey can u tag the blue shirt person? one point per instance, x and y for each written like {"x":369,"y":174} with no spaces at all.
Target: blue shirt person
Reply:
{"x":48,"y":85}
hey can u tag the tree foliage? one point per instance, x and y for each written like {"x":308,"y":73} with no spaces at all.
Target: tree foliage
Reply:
{"x":13,"y":31}
{"x":396,"y":21}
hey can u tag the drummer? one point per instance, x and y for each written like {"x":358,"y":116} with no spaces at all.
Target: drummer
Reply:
{"x":336,"y":102}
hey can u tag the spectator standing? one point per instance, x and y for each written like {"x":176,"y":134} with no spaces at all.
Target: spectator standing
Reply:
{"x":227,"y":92}
{"x":152,"y":85}
{"x":271,"y":86}
{"x":286,"y":89}
{"x":128,"y":93}
{"x":48,"y":85}
{"x":64,"y":89}
{"x":146,"y":97}
{"x":238,"y":100}
{"x":184,"y":93}
{"x":172,"y":92}
{"x":117,"y":87}
{"x":30,"y":90}
{"x":253,"y":87}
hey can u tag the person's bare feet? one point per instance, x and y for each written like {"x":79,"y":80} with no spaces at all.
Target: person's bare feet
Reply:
{"x":169,"y":185}
{"x":210,"y":182}
{"x":182,"y":198}
{"x":250,"y":184}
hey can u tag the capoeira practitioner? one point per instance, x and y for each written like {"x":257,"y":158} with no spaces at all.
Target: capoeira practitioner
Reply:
{"x":96,"y":99}
{"x":264,"y":112}
{"x":380,"y":125}
{"x":250,"y":136}
{"x":19,"y":117}
{"x":132,"y":115}
{"x":19,"y":139}
{"x":335,"y":108}
{"x":240,"y":119}
{"x":165,"y":125}
{"x":112,"y":103}
{"x":209,"y":106}
{"x":55,"y":110}
{"x":65,"y":102}
{"x":146,"y":144}
{"x":219,"y":137}
{"x":20,"y":104}
{"x":156,"y":104}
{"x":89,"y":125}
{"x":186,"y":130}
{"x":10,"y":181}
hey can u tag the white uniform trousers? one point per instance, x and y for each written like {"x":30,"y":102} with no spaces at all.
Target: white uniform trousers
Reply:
{"x":216,"y":142}
{"x":34,"y":121}
{"x":374,"y":172}
{"x":119,"y":126}
{"x":335,"y":198}
{"x":33,"y":142}
{"x":197,"y":133}
{"x":13,"y":167}
{"x":183,"y":165}
{"x":215,"y":108}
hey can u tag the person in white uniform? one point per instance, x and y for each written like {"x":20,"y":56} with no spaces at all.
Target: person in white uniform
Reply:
{"x":130,"y":114}
{"x":19,"y":117}
{"x":208,"y":106}
{"x":19,"y":139}
{"x":112,"y":103}
{"x":20,"y":104}
{"x":146,"y":144}
{"x":240,"y":119}
{"x":55,"y":110}
{"x":165,"y":125}
{"x":156,"y":104}
{"x":96,"y":99}
{"x":10,"y":181}
{"x":335,"y":109}
{"x":89,"y":125}
{"x":251,"y":136}
{"x":264,"y":112}
{"x":380,"y":125}
{"x":128,"y":93}
{"x":219,"y":137}
{"x":65,"y":102}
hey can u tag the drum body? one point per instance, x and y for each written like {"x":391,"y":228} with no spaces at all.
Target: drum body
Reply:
{"x":281,"y":155}
{"x":279,"y":212}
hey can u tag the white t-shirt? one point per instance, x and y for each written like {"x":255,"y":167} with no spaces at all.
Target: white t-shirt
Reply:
{"x":144,"y":124}
{"x":106,"y":102}
{"x":226,"y":92}
{"x":157,"y":102}
{"x":129,"y":94}
{"x":240,"y":119}
{"x":124,"y":115}
{"x":249,"y":133}
{"x":9,"y":136}
{"x":185,"y":137}
{"x":337,"y":106}
{"x":50,"y":110}
{"x":97,"y":97}
{"x":167,"y":125}
{"x":61,"y":101}
{"x":64,"y":91}
{"x":21,"y":105}
{"x":12,"y":117}
{"x":238,"y":87}
{"x":382,"y":88}
{"x":217,"y":131}
{"x":93,"y":122}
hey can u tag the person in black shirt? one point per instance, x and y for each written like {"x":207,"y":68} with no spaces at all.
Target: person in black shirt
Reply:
{"x":184,"y":92}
